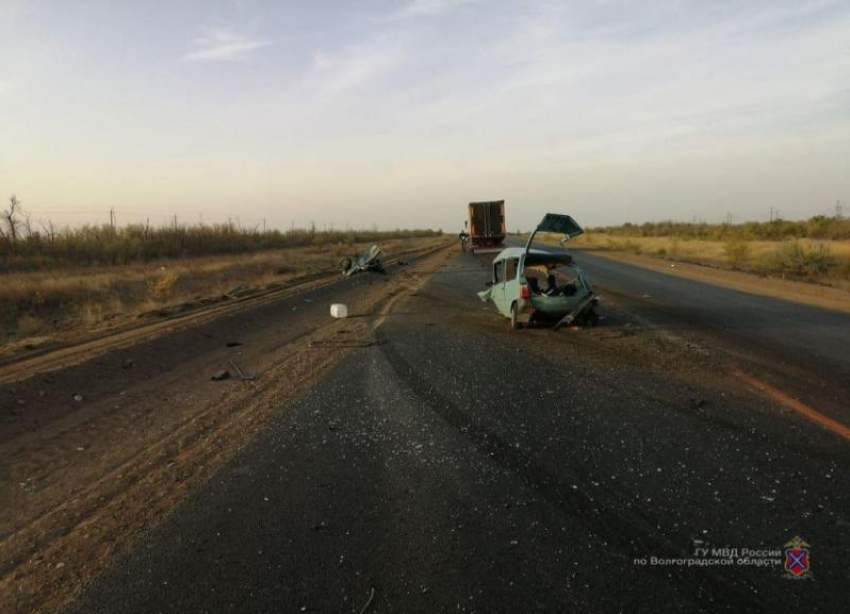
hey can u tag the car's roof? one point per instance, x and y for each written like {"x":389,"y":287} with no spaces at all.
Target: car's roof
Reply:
{"x":517,"y":252}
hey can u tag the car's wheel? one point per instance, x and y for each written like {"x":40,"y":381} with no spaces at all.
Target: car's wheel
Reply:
{"x":345,"y":264}
{"x":515,"y":323}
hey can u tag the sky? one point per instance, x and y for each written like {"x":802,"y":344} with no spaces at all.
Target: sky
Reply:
{"x":397,"y":114}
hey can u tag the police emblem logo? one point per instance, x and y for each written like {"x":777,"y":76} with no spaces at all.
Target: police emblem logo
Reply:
{"x":798,"y":559}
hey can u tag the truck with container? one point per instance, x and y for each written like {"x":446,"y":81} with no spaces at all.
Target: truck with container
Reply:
{"x":486,"y":226}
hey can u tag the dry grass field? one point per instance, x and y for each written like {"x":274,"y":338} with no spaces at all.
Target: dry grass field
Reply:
{"x":818,"y":261}
{"x":36,"y":307}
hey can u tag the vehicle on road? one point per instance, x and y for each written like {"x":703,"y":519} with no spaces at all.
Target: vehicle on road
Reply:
{"x":487,"y":228}
{"x":542,"y":285}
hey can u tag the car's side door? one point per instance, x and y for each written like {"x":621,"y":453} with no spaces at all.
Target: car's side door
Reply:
{"x":511,"y":284}
{"x":498,"y":293}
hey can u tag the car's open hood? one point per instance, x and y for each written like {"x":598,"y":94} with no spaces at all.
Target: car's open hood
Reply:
{"x":561,"y":224}
{"x":557,"y":223}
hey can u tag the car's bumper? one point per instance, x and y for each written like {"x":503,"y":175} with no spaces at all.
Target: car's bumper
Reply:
{"x":535,"y":309}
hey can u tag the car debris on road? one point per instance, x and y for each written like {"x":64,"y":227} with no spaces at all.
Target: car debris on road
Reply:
{"x":364,"y":261}
{"x":242,"y":375}
{"x":339,"y":310}
{"x":530,"y":285}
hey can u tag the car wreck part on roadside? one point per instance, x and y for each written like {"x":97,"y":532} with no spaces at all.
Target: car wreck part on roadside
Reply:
{"x":338,"y":310}
{"x":584,"y":307}
{"x":242,"y":376}
{"x":220,"y":376}
{"x":364,"y":261}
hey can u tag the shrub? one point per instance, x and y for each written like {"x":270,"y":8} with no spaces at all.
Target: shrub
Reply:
{"x":631,"y":246}
{"x":737,"y":251}
{"x":675,"y":250}
{"x":835,"y":227}
{"x":99,"y":245}
{"x":165,"y":284}
{"x":792,"y":258}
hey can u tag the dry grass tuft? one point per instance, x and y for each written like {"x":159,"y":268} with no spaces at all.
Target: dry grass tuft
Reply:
{"x":165,"y":285}
{"x":28,"y":325}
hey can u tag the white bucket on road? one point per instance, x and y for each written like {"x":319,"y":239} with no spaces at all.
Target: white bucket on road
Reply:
{"x":338,"y":310}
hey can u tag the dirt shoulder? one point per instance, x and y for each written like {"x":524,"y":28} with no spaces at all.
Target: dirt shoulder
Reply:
{"x":21,"y":358}
{"x":93,"y":454}
{"x":41,"y":310}
{"x":827,"y":297}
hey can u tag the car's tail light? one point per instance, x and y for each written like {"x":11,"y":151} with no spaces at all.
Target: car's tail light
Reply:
{"x":524,"y":292}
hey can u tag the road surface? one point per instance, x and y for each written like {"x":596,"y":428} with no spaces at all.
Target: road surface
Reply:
{"x":455,"y":466}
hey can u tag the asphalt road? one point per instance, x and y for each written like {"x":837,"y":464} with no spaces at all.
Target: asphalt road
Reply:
{"x":459,"y":467}
{"x":788,"y":340}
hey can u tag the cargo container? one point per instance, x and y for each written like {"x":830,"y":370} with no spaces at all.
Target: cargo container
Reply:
{"x":487,"y":229}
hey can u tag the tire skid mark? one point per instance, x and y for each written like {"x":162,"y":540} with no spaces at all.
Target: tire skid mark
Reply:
{"x":595,"y":515}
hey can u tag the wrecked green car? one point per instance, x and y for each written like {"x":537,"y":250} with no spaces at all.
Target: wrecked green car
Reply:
{"x":542,"y":285}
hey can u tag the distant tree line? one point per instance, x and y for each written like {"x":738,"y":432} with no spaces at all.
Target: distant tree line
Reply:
{"x":835,"y":227}
{"x":25,"y":247}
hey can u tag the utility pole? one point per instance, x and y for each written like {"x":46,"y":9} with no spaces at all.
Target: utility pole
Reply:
{"x":839,"y":210}
{"x":112,"y":217}
{"x":264,"y":225}
{"x":771,"y":213}
{"x":174,"y":221}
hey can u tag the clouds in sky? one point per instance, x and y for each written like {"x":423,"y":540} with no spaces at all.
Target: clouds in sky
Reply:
{"x":356,"y":66}
{"x":337,"y":110}
{"x":428,"y":8}
{"x":222,"y":45}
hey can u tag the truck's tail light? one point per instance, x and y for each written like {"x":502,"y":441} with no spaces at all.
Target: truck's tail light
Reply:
{"x":524,"y":292}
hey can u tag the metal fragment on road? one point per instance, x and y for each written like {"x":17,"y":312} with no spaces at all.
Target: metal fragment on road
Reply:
{"x":242,"y":376}
{"x":369,"y":602}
